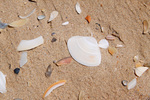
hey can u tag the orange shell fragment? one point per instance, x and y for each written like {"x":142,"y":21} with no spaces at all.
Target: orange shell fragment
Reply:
{"x":88,"y":18}
{"x":64,"y":61}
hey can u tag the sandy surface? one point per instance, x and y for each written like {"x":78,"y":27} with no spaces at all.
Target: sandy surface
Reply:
{"x":98,"y":83}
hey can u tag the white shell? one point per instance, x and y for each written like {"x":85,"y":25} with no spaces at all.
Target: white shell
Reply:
{"x":136,"y":58}
{"x":84,"y":50}
{"x":78,"y":9}
{"x":41,"y":17}
{"x":65,"y":23}
{"x":23,"y":17}
{"x":53,"y":15}
{"x":140,"y":70}
{"x":23,"y":59}
{"x":103,"y":44}
{"x":131,"y":84}
{"x":29,"y":44}
{"x":119,"y":46}
{"x":2,"y":83}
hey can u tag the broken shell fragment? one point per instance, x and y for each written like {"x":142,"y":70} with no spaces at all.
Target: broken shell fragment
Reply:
{"x":23,"y":59}
{"x":112,"y":50}
{"x":53,"y":15}
{"x":119,"y":46}
{"x":110,"y":37}
{"x":145,"y":26}
{"x":3,"y":25}
{"x":84,"y":50}
{"x":88,"y":18}
{"x":81,"y":95}
{"x":138,"y":64}
{"x":23,"y":17}
{"x":64,"y":61}
{"x":136,"y":58}
{"x":78,"y":9}
{"x":30,"y":44}
{"x":2,"y":83}
{"x":131,"y":84}
{"x":140,"y":70}
{"x":48,"y":71}
{"x":124,"y":82}
{"x":41,"y":17}
{"x":65,"y":23}
{"x":18,"y":23}
{"x":103,"y":44}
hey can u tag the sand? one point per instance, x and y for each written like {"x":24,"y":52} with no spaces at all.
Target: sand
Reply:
{"x":103,"y":82}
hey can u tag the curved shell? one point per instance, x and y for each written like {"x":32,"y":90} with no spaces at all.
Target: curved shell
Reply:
{"x":84,"y":50}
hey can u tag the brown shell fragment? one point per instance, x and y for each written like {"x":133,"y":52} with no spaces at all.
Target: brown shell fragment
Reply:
{"x":88,"y":18}
{"x":64,"y":61}
{"x":48,"y":71}
{"x":112,"y":50}
{"x":145,"y":26}
{"x":138,"y":65}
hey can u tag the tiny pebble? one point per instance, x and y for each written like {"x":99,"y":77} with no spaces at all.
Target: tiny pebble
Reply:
{"x":53,"y":40}
{"x":16,"y":71}
{"x":53,"y":33}
{"x":124,"y":82}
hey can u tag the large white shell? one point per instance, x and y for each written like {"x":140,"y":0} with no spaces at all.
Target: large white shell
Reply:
{"x":131,"y":84}
{"x":84,"y":50}
{"x":103,"y":44}
{"x":53,"y":15}
{"x":29,"y":44}
{"x":140,"y":70}
{"x":78,"y":9}
{"x":2,"y":83}
{"x":23,"y":59}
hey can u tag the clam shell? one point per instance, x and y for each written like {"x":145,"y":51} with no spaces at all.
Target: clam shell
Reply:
{"x":84,"y":50}
{"x":145,"y":26}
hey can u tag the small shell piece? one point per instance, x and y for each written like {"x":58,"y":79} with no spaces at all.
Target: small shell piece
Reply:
{"x":138,"y":64}
{"x":30,"y":44}
{"x":88,"y":18}
{"x":119,"y":46}
{"x":53,"y":15}
{"x":112,"y":50}
{"x":41,"y":17}
{"x":3,"y":25}
{"x":81,"y":95}
{"x":124,"y":82}
{"x":48,"y":71}
{"x":23,"y":17}
{"x":131,"y":84}
{"x":78,"y":9}
{"x":53,"y":86}
{"x":64,"y":61}
{"x":140,"y":70}
{"x":136,"y":58}
{"x":2,"y":83}
{"x":110,"y":37}
{"x":65,"y":23}
{"x":18,"y":23}
{"x":103,"y":44}
{"x":23,"y":59}
{"x":145,"y":26}
{"x":84,"y":50}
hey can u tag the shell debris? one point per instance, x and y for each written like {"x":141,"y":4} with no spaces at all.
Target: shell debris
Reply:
{"x":78,"y":9}
{"x":110,"y":37}
{"x":23,"y":17}
{"x":2,"y":83}
{"x":124,"y":83}
{"x":131,"y":84}
{"x":23,"y":59}
{"x":145,"y":26}
{"x":64,"y":61}
{"x":18,"y":23}
{"x":53,"y":15}
{"x":65,"y":23}
{"x":112,"y":50}
{"x":140,"y":70}
{"x":136,"y":58}
{"x":138,"y":64}
{"x":88,"y":18}
{"x":48,"y":71}
{"x":41,"y":17}
{"x":81,"y":95}
{"x":103,"y":44}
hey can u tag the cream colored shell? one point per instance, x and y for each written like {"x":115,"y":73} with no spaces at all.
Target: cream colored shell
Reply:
{"x":84,"y":50}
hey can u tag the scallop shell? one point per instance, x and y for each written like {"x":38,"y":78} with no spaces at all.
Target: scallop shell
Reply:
{"x":84,"y":50}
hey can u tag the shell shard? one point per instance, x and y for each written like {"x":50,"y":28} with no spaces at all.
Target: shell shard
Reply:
{"x":64,"y":61}
{"x":40,"y":17}
{"x":48,"y":71}
{"x":65,"y":23}
{"x":84,"y":50}
{"x":23,"y":17}
{"x":110,"y":37}
{"x":3,"y":25}
{"x":88,"y":18}
{"x":131,"y":84}
{"x":30,"y":44}
{"x":23,"y":59}
{"x":145,"y":26}
{"x":103,"y":44}
{"x":18,"y":23}
{"x":53,"y":86}
{"x":78,"y":9}
{"x":140,"y":70}
{"x":112,"y":50}
{"x":53,"y":15}
{"x":2,"y":83}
